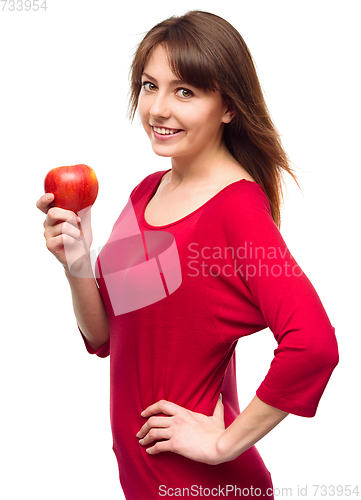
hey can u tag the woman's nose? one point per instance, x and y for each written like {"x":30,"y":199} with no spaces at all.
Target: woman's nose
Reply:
{"x":160,"y":107}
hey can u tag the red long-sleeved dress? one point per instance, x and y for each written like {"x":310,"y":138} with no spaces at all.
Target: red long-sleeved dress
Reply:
{"x":178,"y":298}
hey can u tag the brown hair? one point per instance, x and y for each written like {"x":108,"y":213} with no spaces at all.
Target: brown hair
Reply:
{"x":206,"y":51}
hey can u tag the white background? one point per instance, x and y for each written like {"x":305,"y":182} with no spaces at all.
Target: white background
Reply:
{"x":63,"y":98}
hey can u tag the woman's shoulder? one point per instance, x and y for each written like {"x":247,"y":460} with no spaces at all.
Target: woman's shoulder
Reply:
{"x":241,"y":196}
{"x":238,"y":188}
{"x":240,"y":207}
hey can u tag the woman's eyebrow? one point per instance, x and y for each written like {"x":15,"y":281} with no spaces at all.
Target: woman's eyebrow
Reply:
{"x":172,"y":82}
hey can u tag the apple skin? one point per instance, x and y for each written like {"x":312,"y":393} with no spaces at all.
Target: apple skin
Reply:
{"x":74,"y":187}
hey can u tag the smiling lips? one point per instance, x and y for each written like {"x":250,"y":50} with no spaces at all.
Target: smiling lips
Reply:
{"x":162,"y":131}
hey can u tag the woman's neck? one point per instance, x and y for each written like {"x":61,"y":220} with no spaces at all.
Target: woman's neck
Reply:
{"x":202,"y":169}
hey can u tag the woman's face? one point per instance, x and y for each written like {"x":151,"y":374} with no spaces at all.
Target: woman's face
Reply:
{"x":180,"y":119}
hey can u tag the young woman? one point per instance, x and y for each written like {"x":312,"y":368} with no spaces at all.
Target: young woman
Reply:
{"x":195,"y":262}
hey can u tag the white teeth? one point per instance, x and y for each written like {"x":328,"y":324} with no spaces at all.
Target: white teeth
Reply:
{"x":164,"y":131}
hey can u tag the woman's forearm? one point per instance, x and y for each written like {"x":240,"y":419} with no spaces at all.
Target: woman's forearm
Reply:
{"x":248,"y":428}
{"x":89,"y":310}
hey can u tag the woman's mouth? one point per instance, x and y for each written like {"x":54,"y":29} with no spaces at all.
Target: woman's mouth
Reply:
{"x":163,"y":133}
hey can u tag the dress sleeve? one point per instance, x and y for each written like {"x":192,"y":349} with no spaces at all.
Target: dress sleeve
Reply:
{"x":307,"y":351}
{"x":102,"y":351}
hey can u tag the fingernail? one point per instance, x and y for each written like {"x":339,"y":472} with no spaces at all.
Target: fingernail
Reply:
{"x":78,"y":219}
{"x":49,"y":196}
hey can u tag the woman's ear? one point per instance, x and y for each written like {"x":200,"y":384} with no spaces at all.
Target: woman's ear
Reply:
{"x":229,"y":114}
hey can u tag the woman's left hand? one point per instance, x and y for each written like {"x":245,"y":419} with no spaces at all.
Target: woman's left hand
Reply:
{"x":185,"y":432}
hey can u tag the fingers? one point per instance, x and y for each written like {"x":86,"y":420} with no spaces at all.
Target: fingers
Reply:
{"x":63,"y":234}
{"x":56,"y":215}
{"x":162,"y":406}
{"x":56,"y":244}
{"x":155,"y":435}
{"x":54,"y":226}
{"x":162,"y":422}
{"x":65,"y":228}
{"x":45,"y":202}
{"x":61,"y":231}
{"x":159,"y":447}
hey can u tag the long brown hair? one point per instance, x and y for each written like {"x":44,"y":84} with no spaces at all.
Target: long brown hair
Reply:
{"x":206,"y":51}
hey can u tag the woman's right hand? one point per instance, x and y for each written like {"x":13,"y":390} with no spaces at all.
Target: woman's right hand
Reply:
{"x":68,"y":236}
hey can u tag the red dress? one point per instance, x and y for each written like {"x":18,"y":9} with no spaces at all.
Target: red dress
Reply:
{"x":178,"y":298}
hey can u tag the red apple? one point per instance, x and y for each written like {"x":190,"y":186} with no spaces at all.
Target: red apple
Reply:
{"x":74,"y":187}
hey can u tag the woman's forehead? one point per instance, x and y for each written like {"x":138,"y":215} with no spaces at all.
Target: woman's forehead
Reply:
{"x":158,"y":66}
{"x":158,"y":57}
{"x":162,"y":61}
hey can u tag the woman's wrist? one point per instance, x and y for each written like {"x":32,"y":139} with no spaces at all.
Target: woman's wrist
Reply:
{"x":79,"y":270}
{"x":249,"y":427}
{"x":229,"y":444}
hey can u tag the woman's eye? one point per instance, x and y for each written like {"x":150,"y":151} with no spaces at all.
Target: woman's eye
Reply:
{"x":149,"y":86}
{"x":184,"y":93}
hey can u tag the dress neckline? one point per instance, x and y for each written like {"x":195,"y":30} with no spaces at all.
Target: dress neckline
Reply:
{"x":145,"y":223}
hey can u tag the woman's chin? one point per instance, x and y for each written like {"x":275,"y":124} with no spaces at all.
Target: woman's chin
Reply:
{"x":159,"y":152}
